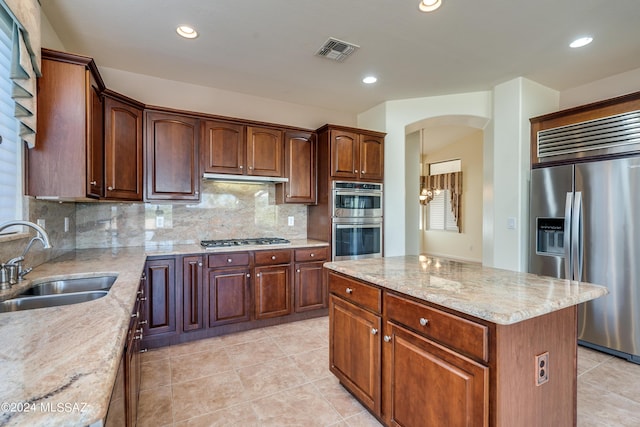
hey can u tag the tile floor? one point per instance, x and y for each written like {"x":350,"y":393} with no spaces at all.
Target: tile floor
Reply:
{"x":279,"y":376}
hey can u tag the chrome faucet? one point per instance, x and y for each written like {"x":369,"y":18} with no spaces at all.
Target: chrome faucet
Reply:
{"x":41,"y":236}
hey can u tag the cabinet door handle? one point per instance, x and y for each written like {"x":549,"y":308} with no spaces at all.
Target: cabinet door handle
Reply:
{"x":387,"y":338}
{"x":248,"y":275}
{"x":250,"y":167}
{"x":143,"y":322}
{"x":363,"y":172}
{"x":144,"y":350}
{"x":349,"y":290}
{"x":288,"y":196}
{"x":423,"y":321}
{"x":196,"y":193}
{"x":143,"y":299}
{"x":374,"y":331}
{"x":355,"y":171}
{"x":93,"y":183}
{"x":241,"y":167}
{"x":110,"y":188}
{"x":258,"y":275}
{"x":199,"y":264}
{"x":134,"y":315}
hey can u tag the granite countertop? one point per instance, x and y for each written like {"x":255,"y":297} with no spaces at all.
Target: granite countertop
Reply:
{"x":58,"y":364}
{"x":498,"y":296}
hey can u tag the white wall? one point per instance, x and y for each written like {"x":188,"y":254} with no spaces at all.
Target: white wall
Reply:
{"x":392,"y":117}
{"x":413,"y":169}
{"x":610,"y":87}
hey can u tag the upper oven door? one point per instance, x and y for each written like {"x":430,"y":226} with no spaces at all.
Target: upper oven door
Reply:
{"x":357,"y":204}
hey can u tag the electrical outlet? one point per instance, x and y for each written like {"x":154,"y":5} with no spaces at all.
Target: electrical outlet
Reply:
{"x":542,"y":368}
{"x":291,"y":221}
{"x":41,"y":222}
{"x":66,"y":224}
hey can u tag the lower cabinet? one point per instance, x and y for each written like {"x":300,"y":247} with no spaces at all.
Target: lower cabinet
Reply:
{"x":404,"y":364}
{"x":192,"y":293}
{"x":229,"y":296}
{"x":430,"y":382}
{"x":272,"y":291}
{"x":354,"y":350}
{"x":310,"y":290}
{"x":159,"y":301}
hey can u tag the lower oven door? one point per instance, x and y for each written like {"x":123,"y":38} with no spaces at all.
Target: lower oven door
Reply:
{"x":357,"y":239}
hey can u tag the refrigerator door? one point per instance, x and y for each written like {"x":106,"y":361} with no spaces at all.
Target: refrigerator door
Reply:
{"x":551,"y":200}
{"x":611,"y":253}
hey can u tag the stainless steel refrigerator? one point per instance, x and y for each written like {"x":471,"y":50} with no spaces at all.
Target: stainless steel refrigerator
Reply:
{"x":585,"y":225}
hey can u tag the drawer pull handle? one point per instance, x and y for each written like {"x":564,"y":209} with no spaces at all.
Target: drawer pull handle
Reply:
{"x":134,"y":315}
{"x":143,"y":322}
{"x":229,"y":260}
{"x":273,"y":257}
{"x":248,"y":275}
{"x":423,"y":321}
{"x":144,"y":350}
{"x":387,"y":338}
{"x":143,"y":299}
{"x":298,"y":271}
{"x":374,"y":331}
{"x":349,"y":290}
{"x":312,"y":255}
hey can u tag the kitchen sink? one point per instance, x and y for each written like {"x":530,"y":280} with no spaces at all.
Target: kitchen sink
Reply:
{"x":66,"y":286}
{"x":52,"y":300}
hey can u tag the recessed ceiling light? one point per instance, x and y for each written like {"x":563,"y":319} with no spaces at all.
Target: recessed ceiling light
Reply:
{"x":429,"y":5}
{"x":187,"y":32}
{"x":369,"y":80}
{"x":582,"y":41}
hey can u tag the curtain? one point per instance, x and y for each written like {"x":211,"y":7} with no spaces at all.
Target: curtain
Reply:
{"x":24,"y":71}
{"x":447,"y":181}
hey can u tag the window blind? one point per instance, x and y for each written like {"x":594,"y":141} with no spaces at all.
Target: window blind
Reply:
{"x":10,"y":159}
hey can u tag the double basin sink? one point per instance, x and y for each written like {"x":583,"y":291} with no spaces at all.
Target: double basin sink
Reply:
{"x":59,"y":292}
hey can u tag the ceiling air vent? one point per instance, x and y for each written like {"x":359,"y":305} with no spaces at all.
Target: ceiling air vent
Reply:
{"x":337,"y":50}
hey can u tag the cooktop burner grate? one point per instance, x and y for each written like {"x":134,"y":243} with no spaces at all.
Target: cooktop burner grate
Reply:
{"x":243,"y":242}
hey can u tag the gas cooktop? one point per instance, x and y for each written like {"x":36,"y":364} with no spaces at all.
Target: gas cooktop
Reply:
{"x":243,"y":242}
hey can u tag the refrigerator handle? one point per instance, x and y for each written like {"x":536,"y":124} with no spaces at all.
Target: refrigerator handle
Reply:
{"x":567,"y":236}
{"x":576,"y":236}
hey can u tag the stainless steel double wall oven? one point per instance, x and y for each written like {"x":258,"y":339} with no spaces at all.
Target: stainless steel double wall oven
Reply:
{"x":356,"y":216}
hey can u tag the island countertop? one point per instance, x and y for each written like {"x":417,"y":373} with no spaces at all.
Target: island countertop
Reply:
{"x":498,"y":296}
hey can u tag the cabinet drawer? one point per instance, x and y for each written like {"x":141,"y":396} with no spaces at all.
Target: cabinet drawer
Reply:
{"x":460,"y":334}
{"x":312,"y":254}
{"x":357,"y":292}
{"x":229,"y":260}
{"x":272,"y":257}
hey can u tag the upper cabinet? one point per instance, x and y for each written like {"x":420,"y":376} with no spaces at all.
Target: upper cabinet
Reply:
{"x":353,"y":153}
{"x":171,"y":151}
{"x":223,"y":147}
{"x":300,"y":154}
{"x":122,"y":147}
{"x":67,"y":162}
{"x":265,"y":151}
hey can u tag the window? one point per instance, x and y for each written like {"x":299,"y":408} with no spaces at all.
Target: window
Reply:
{"x":10,"y":147}
{"x":440,"y":214}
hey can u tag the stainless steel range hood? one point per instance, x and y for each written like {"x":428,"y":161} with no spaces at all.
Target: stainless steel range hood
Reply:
{"x":243,"y":178}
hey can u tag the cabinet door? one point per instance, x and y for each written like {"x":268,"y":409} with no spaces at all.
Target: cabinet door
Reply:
{"x":229,"y":296}
{"x":171,"y":143}
{"x":354,"y":350}
{"x":192,"y":293}
{"x":132,"y":373}
{"x":160,"y":295}
{"x":123,"y":150}
{"x":300,"y":167}
{"x":223,"y":148}
{"x":265,"y":152}
{"x":272,"y":291}
{"x":95,"y":142}
{"x":371,"y":157}
{"x":345,"y":154}
{"x":310,"y":290}
{"x":430,"y":382}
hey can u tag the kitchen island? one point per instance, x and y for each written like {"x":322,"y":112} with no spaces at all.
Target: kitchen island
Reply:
{"x":431,"y":341}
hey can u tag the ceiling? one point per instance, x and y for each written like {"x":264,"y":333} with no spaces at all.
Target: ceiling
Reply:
{"x":266,"y":48}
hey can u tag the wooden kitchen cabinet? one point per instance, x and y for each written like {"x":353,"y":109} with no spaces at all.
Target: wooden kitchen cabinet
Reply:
{"x":354,"y":350}
{"x":265,"y":152}
{"x":300,"y":154}
{"x":223,"y":147}
{"x":354,"y":153}
{"x":67,"y":162}
{"x":229,"y":292}
{"x":172,"y":157}
{"x":192,"y":293}
{"x":310,"y":291}
{"x":272,"y":284}
{"x":122,"y":147}
{"x":427,"y":381}
{"x":160,"y":301}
